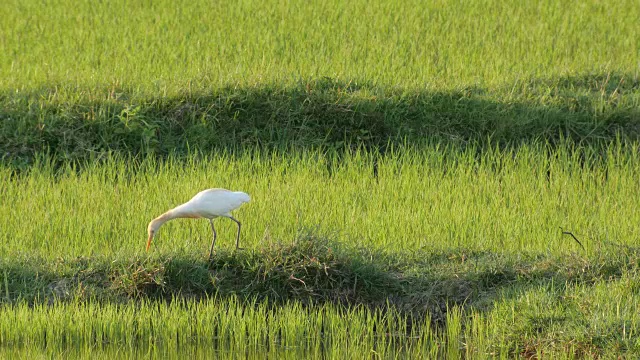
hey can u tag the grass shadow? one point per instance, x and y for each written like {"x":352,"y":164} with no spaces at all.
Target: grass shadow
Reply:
{"x":77,"y":125}
{"x":313,"y":269}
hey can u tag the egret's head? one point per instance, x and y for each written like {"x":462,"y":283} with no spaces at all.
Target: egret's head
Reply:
{"x":152,"y":229}
{"x":243,"y":196}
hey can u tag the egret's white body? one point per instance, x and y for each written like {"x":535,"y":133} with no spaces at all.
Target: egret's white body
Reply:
{"x":208,"y":204}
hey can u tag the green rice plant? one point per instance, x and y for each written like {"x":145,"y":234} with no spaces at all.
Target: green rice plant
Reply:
{"x":162,"y":327}
{"x":504,"y":200}
{"x":533,"y":324}
{"x":176,"y":47}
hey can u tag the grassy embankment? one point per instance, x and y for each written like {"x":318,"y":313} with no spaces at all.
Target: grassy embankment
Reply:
{"x":161,"y":78}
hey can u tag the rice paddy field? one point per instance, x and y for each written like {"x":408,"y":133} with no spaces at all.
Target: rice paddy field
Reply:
{"x":428,"y":179}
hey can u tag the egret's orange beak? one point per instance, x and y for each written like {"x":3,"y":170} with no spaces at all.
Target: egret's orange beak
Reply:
{"x":149,"y":242}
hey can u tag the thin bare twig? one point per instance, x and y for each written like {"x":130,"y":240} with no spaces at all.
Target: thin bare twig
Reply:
{"x":573,"y":236}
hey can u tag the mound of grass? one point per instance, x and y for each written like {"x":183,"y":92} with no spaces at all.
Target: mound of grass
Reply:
{"x":322,"y":113}
{"x":312,"y":269}
{"x":170,"y":77}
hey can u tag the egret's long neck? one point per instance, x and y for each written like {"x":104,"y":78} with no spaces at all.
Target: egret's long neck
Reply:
{"x":177,"y":212}
{"x":169,"y":215}
{"x":164,"y":218}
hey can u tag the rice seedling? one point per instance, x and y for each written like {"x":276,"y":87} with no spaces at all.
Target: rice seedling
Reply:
{"x":176,"y":47}
{"x":507,"y":201}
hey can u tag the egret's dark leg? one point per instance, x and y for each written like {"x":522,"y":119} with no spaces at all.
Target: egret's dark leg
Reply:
{"x":238,"y":235}
{"x":214,"y":239}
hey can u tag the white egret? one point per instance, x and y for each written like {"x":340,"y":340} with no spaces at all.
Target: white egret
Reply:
{"x":208,"y":204}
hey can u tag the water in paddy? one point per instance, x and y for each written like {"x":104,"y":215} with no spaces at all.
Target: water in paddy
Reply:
{"x":223,"y":329}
